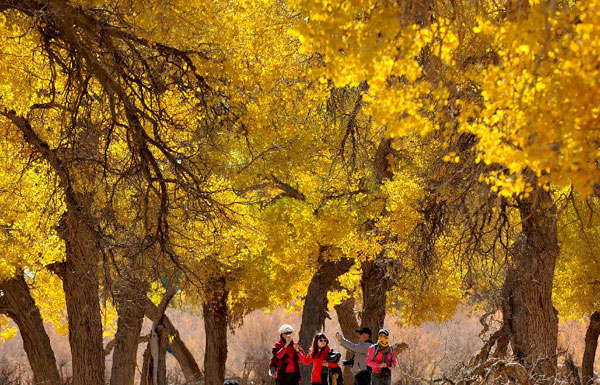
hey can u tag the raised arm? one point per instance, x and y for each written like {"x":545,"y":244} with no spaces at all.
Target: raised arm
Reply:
{"x":281,"y":352}
{"x":355,"y":348}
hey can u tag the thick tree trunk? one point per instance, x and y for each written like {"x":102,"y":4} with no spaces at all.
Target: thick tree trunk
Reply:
{"x":129,"y":294}
{"x":182,"y":354}
{"x":80,"y":283}
{"x":146,"y":377}
{"x":591,"y":344}
{"x":215,"y":313}
{"x":349,"y":325}
{"x":80,"y":272}
{"x":314,"y":310}
{"x":529,"y":317}
{"x":17,"y":303}
{"x":374,"y":287}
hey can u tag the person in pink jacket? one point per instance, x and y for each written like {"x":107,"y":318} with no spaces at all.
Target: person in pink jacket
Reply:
{"x":380,"y":358}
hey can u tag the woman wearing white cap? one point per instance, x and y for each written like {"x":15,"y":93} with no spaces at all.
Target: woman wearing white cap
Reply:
{"x":286,"y":357}
{"x":381,"y":358}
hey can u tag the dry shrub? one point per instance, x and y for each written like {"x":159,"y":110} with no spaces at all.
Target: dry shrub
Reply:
{"x":434,"y":348}
{"x":14,"y":373}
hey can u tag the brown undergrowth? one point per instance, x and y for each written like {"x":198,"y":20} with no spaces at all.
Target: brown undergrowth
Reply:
{"x":437,"y":353}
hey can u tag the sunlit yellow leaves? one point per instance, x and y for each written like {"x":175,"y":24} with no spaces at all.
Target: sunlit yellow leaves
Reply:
{"x":542,"y":117}
{"x":404,"y":194}
{"x":284,"y":146}
{"x":578,"y":268}
{"x":46,"y":290}
{"x":7,"y":331}
{"x":537,"y":77}
{"x":29,"y":210}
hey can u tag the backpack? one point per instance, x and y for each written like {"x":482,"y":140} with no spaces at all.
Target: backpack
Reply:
{"x":273,"y":364}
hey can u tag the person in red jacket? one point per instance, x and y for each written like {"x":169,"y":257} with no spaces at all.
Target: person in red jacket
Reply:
{"x":324,"y":359}
{"x":286,"y":357}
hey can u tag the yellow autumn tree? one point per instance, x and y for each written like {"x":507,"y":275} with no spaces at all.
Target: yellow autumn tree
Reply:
{"x":514,"y":75}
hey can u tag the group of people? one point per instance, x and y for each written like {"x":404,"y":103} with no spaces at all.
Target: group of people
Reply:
{"x":370,"y":364}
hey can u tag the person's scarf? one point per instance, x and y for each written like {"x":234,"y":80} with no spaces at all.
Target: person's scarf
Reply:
{"x":387,"y":349}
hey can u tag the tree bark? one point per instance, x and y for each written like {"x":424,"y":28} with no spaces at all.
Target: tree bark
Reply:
{"x":349,"y":325}
{"x":146,"y":377}
{"x":591,"y":344}
{"x":81,"y":286}
{"x":80,"y":273}
{"x":374,"y":287}
{"x":373,"y":281}
{"x":17,"y":303}
{"x":314,"y":310}
{"x":129,"y":294}
{"x":416,"y":11}
{"x":159,"y":341}
{"x":182,"y":354}
{"x":529,"y":317}
{"x":215,"y":313}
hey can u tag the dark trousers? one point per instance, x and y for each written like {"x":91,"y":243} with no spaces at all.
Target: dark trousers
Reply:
{"x":287,"y":379}
{"x":362,"y":378}
{"x":378,"y":379}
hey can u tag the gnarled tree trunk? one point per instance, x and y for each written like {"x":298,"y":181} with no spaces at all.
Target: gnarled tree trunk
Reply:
{"x":591,"y":344}
{"x":529,"y":317}
{"x":314,"y":310}
{"x":81,"y":286}
{"x":349,"y":325}
{"x":215,"y":313}
{"x":373,"y":281}
{"x":129,"y":294}
{"x":80,"y":269}
{"x":182,"y":354}
{"x":374,"y":287}
{"x":17,"y":303}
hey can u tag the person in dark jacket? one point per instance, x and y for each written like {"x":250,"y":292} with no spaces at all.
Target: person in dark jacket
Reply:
{"x":286,"y":357}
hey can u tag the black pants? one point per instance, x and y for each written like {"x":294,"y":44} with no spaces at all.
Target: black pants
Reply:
{"x":378,"y":379}
{"x":362,"y":378}
{"x":288,"y":379}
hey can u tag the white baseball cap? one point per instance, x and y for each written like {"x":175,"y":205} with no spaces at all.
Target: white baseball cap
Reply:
{"x":285,"y":328}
